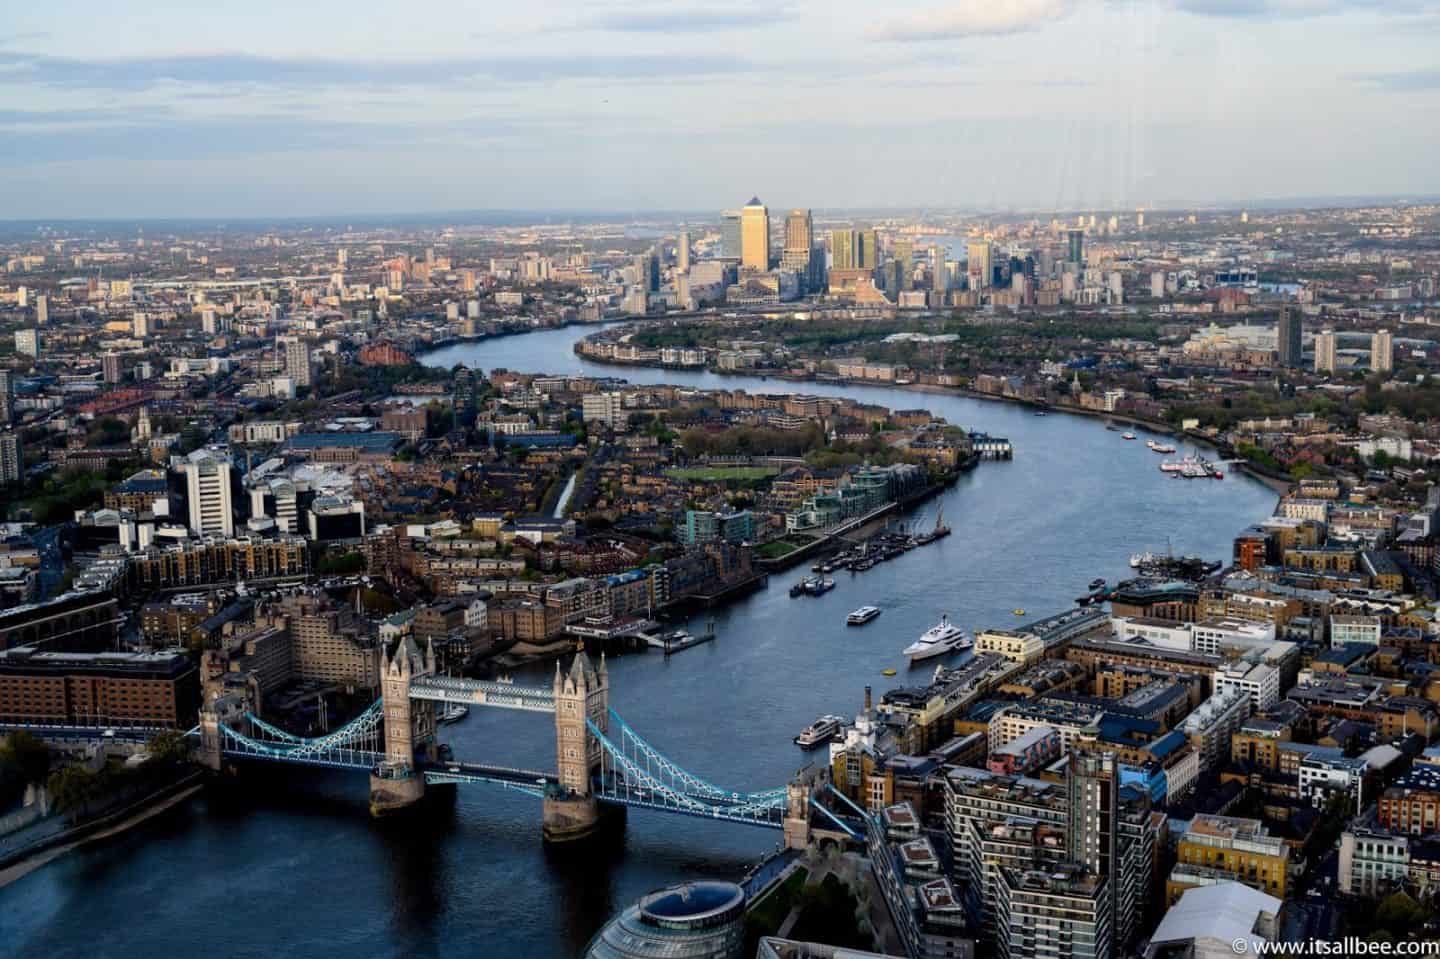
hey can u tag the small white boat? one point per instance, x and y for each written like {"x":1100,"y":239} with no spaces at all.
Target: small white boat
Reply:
{"x":862,"y":615}
{"x":944,"y":637}
{"x":1127,"y":436}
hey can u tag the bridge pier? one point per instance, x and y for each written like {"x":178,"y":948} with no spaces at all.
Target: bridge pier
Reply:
{"x":569,"y":818}
{"x":394,"y":791}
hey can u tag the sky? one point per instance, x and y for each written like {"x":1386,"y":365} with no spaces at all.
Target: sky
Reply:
{"x":315,"y":107}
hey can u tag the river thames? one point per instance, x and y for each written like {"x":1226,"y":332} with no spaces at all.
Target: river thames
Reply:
{"x":294,"y":866}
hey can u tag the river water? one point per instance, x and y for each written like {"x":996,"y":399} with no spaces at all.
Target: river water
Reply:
{"x":292,"y":865}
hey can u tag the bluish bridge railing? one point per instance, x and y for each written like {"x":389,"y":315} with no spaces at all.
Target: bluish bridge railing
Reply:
{"x":356,"y":745}
{"x":629,"y":742}
{"x":480,"y":692}
{"x":645,"y":779}
{"x":632,"y":771}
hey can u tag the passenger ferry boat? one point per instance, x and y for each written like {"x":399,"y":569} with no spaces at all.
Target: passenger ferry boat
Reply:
{"x":1160,"y":447}
{"x":938,"y":640}
{"x":820,"y":732}
{"x":862,"y":615}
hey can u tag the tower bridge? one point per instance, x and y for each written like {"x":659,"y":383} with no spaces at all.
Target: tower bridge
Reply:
{"x":599,"y":758}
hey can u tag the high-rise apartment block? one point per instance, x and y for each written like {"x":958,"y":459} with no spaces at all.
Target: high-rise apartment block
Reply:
{"x":1088,"y":822}
{"x":1287,"y":336}
{"x":297,"y":360}
{"x":1325,"y":351}
{"x":463,"y":399}
{"x":207,"y":487}
{"x":12,"y":466}
{"x":27,"y":343}
{"x":1382,"y":351}
{"x":1050,"y":913}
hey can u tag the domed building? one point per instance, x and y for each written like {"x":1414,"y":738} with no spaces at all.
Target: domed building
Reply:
{"x":697,"y":920}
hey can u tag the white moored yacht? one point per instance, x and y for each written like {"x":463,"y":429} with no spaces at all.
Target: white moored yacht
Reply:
{"x":938,"y":640}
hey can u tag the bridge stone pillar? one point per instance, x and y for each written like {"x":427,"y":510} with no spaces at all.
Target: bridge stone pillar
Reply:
{"x":211,"y":751}
{"x":396,"y":784}
{"x":215,"y":712}
{"x":572,"y":812}
{"x":796,"y":825}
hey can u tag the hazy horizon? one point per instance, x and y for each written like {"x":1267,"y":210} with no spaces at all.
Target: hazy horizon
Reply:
{"x":326,"y":110}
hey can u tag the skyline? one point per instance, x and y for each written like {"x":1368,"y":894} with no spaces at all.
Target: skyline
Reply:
{"x":523,"y":216}
{"x":1033,"y":104}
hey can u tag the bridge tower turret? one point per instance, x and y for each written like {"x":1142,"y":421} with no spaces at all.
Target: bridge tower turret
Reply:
{"x":395,"y":784}
{"x":581,"y":693}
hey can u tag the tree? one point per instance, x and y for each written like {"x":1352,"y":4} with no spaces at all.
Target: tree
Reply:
{"x":169,"y":747}
{"x":27,"y":754}
{"x":73,"y":787}
{"x":340,"y":564}
{"x":1400,"y":916}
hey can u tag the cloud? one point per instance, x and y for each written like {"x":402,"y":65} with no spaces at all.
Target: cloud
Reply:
{"x":83,"y":117}
{"x":140,"y":73}
{"x":975,"y":18}
{"x":689,"y":20}
{"x":1407,"y":82}
{"x":1292,"y":9}
{"x":153,"y":135}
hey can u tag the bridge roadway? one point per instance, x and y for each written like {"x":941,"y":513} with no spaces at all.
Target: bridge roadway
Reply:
{"x":528,"y":781}
{"x":61,"y":731}
{"x":478,"y":692}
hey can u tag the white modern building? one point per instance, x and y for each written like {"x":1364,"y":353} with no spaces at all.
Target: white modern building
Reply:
{"x":207,"y":485}
{"x":1164,"y":633}
{"x":1211,"y":634}
{"x":1212,"y":724}
{"x":1260,"y":682}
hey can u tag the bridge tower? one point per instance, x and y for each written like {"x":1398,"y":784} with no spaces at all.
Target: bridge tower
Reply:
{"x":396,"y":784}
{"x":580,"y":694}
{"x":796,"y":824}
